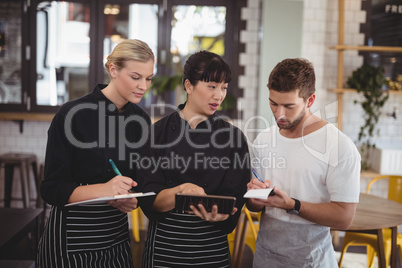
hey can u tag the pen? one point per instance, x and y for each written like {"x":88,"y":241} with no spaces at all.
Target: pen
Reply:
{"x":115,"y":169}
{"x":256,"y":175}
{"x":259,"y":178}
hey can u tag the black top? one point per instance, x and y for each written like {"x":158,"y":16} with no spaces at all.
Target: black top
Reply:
{"x":84,"y":134}
{"x":213,"y":156}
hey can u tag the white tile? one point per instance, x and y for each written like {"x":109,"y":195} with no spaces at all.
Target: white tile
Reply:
{"x":252,"y":48}
{"x":360,"y":17}
{"x":253,"y":25}
{"x":249,"y":13}
{"x":253,"y":3}
{"x":310,"y":14}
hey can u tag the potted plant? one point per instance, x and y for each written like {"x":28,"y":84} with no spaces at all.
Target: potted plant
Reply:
{"x":369,"y":81}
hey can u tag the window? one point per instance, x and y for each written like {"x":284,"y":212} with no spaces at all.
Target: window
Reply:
{"x":54,"y":51}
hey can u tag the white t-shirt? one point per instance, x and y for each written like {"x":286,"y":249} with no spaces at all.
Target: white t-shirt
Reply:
{"x":320,"y":167}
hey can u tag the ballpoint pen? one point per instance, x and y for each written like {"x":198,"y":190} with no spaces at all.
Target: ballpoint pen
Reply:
{"x":259,"y":178}
{"x":256,"y":175}
{"x":115,"y":169}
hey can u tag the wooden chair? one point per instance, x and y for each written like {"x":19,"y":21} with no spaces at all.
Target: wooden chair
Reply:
{"x":136,"y":223}
{"x":370,"y":240}
{"x":245,"y":234}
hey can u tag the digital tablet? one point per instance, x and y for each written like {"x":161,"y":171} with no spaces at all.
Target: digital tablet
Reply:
{"x":225,"y":203}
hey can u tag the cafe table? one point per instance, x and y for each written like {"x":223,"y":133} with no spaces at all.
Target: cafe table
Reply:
{"x":15,"y":224}
{"x":374,"y":213}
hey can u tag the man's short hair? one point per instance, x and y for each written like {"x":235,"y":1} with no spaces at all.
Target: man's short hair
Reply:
{"x":292,"y":74}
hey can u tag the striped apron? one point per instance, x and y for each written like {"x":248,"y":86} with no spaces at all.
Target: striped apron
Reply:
{"x":185,"y":240}
{"x":85,"y":236}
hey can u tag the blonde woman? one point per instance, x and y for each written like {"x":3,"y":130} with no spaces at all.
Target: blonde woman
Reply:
{"x":84,"y":134}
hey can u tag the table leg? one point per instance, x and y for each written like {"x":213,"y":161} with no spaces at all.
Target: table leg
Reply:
{"x":394,"y":252}
{"x":381,"y":253}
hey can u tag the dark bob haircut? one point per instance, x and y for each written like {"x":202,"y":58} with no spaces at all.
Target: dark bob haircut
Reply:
{"x":206,"y":66}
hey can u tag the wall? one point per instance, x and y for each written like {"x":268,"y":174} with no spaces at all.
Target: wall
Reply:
{"x":277,"y":44}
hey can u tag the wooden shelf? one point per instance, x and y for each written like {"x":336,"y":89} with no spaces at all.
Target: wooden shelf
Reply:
{"x":26,"y":116}
{"x":369,"y":48}
{"x":341,"y":47}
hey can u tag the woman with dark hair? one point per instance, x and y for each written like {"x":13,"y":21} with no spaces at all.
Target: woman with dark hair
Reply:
{"x":84,"y":134}
{"x":196,"y":152}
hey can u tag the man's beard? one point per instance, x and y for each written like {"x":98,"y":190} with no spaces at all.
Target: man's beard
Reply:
{"x":295,"y":122}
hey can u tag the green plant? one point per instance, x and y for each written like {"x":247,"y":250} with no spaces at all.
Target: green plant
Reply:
{"x":164,"y":83}
{"x":369,"y":81}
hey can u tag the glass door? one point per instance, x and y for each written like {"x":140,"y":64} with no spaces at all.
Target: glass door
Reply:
{"x":62,"y":51}
{"x":130,"y":21}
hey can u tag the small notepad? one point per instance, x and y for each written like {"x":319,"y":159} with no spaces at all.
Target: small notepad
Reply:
{"x":258,"y":193}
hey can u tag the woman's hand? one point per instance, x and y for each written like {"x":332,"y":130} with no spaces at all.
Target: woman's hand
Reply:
{"x":122,"y":185}
{"x":190,"y":188}
{"x":115,"y":186}
{"x":212,"y":216}
{"x":119,"y":185}
{"x":125,"y":205}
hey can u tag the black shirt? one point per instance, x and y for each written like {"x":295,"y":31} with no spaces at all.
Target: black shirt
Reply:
{"x":213,"y":156}
{"x":84,"y":134}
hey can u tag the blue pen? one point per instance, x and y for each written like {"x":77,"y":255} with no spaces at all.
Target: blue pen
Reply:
{"x":256,"y":175}
{"x":259,"y":178}
{"x":115,"y":169}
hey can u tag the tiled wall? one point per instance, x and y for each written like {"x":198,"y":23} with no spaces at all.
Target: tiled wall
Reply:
{"x":250,"y":60}
{"x":32,"y":139}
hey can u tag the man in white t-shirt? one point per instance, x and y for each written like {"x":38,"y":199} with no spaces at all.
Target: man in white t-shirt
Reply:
{"x":314,"y":170}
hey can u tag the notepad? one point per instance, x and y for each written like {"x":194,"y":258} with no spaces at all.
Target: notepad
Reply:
{"x":109,"y":198}
{"x":259,"y":193}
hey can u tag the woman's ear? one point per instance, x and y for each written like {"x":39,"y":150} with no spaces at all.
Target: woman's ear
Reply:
{"x":188,"y":86}
{"x":112,"y":70}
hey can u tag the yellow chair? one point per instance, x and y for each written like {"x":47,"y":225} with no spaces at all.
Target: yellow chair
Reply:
{"x":245,"y":233}
{"x":370,"y":240}
{"x":136,"y":223}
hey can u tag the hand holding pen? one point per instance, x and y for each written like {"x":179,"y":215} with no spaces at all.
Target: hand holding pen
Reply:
{"x":259,"y":178}
{"x":117,"y":171}
{"x":122,"y":185}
